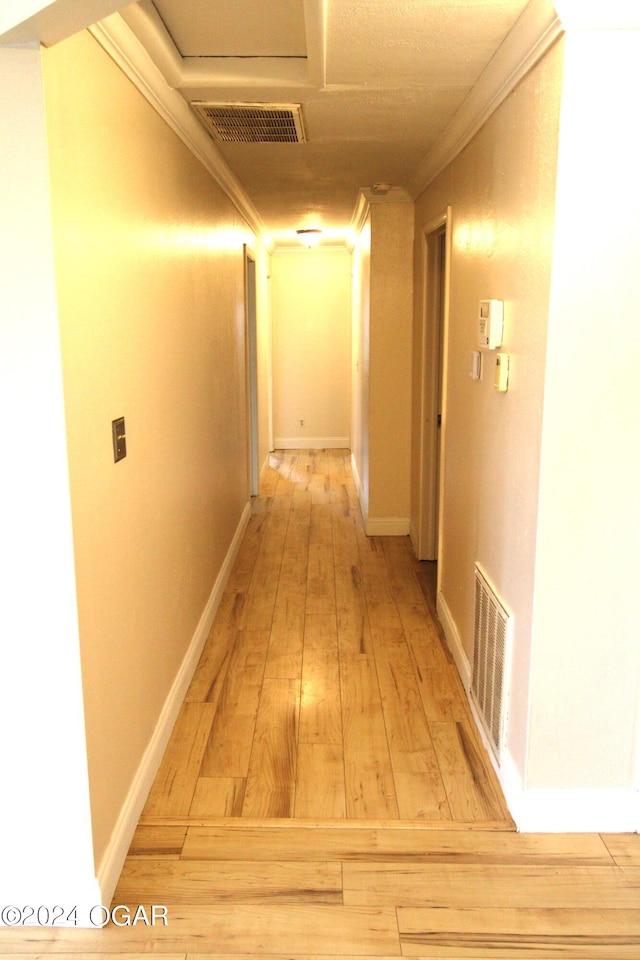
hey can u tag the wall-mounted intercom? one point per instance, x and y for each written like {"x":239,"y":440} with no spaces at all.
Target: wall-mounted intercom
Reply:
{"x":490,"y":323}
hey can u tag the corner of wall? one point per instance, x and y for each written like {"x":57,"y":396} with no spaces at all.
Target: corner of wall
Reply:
{"x":588,"y":810}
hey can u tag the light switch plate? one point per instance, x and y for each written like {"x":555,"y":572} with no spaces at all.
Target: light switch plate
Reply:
{"x":119,"y":439}
{"x":502,"y":372}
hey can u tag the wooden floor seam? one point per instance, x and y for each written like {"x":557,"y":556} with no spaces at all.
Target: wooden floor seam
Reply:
{"x":325,"y":793}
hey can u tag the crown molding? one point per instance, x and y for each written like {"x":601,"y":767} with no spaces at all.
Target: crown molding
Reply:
{"x":296,"y":248}
{"x":533,"y":33}
{"x":145,"y":24}
{"x":392,"y":195}
{"x":366,"y":197}
{"x":119,"y":41}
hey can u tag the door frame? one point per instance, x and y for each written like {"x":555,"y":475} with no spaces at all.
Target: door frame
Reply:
{"x":251,"y":339}
{"x":433,"y":385}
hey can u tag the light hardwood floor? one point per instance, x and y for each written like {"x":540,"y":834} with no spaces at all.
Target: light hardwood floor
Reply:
{"x":324,"y":792}
{"x":325,"y":690}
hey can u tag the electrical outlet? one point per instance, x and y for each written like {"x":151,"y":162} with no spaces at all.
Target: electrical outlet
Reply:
{"x":302,"y":423}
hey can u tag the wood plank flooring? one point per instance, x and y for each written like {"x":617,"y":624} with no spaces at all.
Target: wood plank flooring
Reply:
{"x":297,"y":890}
{"x":325,"y":690}
{"x":324,"y":793}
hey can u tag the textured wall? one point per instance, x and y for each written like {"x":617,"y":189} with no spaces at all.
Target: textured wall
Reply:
{"x":502,"y":192}
{"x":390,"y":362}
{"x":311,"y":302}
{"x":150,"y":283}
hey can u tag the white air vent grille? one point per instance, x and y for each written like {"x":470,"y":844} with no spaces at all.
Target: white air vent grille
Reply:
{"x":252,"y":122}
{"x":490,"y":653}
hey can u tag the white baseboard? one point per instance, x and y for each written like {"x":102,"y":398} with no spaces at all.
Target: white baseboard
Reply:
{"x":311,"y":443}
{"x":454,"y":642}
{"x":114,"y":857}
{"x":387,"y":526}
{"x":567,"y":811}
{"x":545,"y":810}
{"x":377,"y":526}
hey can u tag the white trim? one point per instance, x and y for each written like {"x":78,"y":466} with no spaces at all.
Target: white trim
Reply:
{"x":119,"y":41}
{"x":532,"y":35}
{"x":433,"y":374}
{"x":360,"y":214}
{"x":569,"y":810}
{"x":413,"y":536}
{"x":366,"y":197}
{"x":362,"y":498}
{"x":114,"y":857}
{"x":287,"y":247}
{"x":454,"y":642}
{"x":311,"y":443}
{"x":387,"y":526}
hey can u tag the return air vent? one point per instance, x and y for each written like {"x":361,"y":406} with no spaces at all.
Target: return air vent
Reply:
{"x":490,"y":654}
{"x":252,"y":122}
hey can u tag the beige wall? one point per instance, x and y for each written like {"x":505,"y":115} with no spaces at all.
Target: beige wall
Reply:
{"x":539,"y":482}
{"x":384,"y":262}
{"x":360,"y":323}
{"x":501,"y":189}
{"x":150,"y":283}
{"x":264,"y":349}
{"x":311,"y":311}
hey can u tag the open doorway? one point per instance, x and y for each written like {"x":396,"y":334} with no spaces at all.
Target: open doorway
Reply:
{"x":433,"y":386}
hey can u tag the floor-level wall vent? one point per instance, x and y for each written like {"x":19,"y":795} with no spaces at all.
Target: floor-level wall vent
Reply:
{"x":491,"y":644}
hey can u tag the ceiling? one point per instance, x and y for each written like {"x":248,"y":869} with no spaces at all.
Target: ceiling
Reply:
{"x":378,"y":82}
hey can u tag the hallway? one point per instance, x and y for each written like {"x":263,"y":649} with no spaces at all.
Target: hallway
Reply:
{"x":324,"y":793}
{"x":325,"y":691}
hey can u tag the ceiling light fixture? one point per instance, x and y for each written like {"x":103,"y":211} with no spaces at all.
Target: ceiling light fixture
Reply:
{"x":381,"y":188}
{"x":310,"y":236}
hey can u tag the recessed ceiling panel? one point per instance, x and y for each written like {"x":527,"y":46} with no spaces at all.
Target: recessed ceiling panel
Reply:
{"x":383,"y":80}
{"x":235,"y":28}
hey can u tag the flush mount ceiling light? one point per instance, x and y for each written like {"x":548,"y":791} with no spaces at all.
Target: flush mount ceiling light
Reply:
{"x":310,"y":236}
{"x":381,"y":188}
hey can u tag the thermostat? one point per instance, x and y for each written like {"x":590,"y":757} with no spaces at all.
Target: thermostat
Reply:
{"x":490,"y":323}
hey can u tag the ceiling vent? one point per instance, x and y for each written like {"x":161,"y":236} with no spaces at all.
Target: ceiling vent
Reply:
{"x":252,"y":122}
